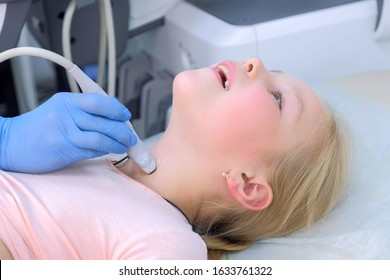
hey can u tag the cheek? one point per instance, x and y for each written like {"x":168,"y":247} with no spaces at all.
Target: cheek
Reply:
{"x":248,"y":123}
{"x":254,"y":112}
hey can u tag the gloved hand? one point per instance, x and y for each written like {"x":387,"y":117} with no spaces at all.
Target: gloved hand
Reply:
{"x":66,"y":128}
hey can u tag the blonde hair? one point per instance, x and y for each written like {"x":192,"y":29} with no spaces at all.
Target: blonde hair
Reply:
{"x":307,"y":183}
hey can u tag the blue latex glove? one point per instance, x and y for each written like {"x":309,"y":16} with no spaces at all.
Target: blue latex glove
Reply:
{"x":68,"y":127}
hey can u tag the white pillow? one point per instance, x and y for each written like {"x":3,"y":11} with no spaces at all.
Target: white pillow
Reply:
{"x":359,"y":228}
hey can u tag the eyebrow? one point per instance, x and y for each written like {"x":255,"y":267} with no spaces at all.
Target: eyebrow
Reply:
{"x":300,"y":103}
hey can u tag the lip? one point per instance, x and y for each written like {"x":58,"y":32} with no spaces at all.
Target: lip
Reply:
{"x":230,"y":73}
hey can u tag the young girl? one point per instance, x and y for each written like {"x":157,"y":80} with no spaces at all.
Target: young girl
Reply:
{"x":248,"y":154}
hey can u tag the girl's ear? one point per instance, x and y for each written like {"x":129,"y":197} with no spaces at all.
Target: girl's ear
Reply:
{"x":253,"y":194}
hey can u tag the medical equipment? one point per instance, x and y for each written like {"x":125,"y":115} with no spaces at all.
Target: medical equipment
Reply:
{"x":147,"y":93}
{"x":107,"y":35}
{"x":71,"y":27}
{"x":139,"y":153}
{"x":12,"y":16}
{"x":312,"y":40}
{"x":74,"y":29}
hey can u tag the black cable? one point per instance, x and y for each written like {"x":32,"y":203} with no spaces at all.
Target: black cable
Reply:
{"x":121,"y":160}
{"x":177,"y":207}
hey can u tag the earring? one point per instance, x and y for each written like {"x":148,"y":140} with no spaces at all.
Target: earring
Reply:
{"x":226,"y":175}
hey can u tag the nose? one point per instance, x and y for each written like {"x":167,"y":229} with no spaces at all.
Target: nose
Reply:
{"x":253,"y":67}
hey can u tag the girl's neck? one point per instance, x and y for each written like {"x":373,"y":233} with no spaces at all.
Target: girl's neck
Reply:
{"x":170,"y":179}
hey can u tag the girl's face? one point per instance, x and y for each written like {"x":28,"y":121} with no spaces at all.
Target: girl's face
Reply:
{"x":242,"y":110}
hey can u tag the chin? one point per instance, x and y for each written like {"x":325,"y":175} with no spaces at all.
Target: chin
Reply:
{"x":183,"y":81}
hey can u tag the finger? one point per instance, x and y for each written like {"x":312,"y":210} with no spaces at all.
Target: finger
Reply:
{"x":116,"y":130}
{"x":105,"y":106}
{"x":81,"y":154}
{"x":91,"y":142}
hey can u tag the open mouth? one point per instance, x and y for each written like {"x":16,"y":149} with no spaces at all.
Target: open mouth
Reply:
{"x":223,"y":73}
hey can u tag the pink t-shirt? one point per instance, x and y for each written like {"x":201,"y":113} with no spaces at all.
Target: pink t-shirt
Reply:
{"x":91,"y":210}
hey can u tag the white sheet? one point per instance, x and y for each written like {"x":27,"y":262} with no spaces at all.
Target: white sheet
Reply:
{"x":359,"y":228}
